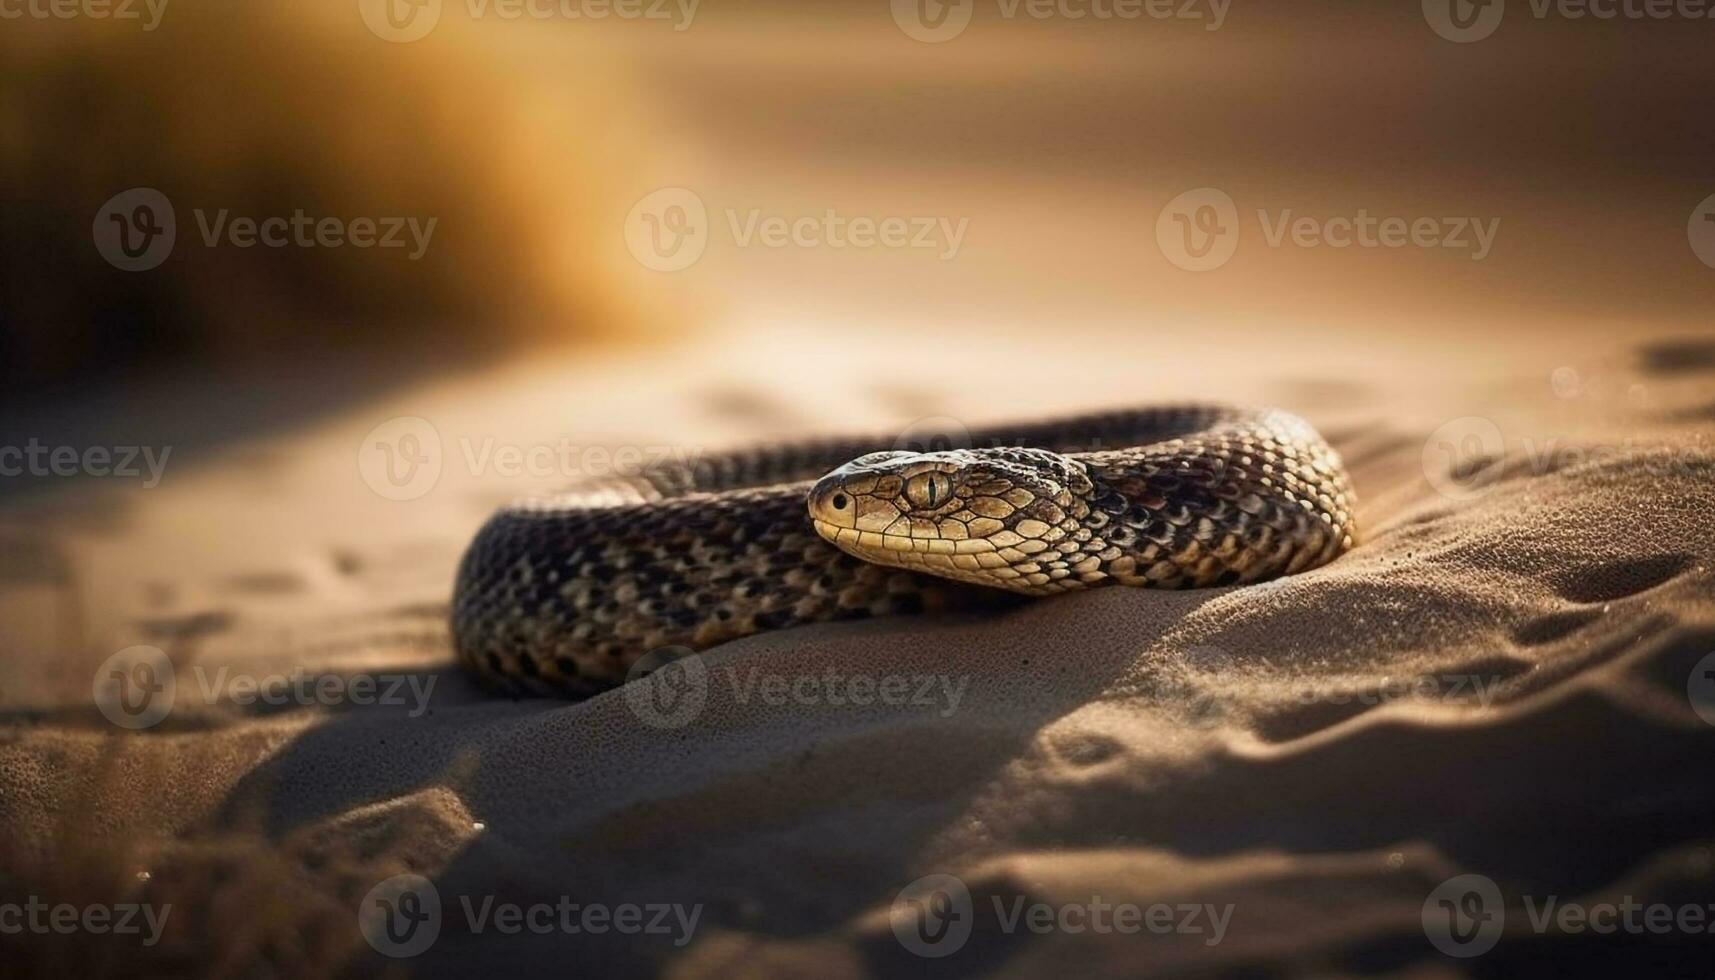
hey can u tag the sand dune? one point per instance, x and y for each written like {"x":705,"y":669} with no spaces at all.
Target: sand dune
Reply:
{"x":1499,"y":680}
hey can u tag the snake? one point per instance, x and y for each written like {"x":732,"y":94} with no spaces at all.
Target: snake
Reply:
{"x":571,"y":593}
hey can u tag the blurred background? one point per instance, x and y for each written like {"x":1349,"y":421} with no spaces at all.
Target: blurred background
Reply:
{"x":529,"y":131}
{"x":666,"y":222}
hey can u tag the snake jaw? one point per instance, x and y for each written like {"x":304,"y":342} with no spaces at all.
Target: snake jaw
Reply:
{"x":976,"y":516}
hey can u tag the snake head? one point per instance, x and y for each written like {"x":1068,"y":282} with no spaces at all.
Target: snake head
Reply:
{"x":975,"y":515}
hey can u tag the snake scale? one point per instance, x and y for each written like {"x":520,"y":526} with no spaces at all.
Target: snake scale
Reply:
{"x":564,"y":594}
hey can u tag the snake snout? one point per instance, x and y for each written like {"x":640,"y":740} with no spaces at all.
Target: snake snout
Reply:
{"x":830,"y":503}
{"x":854,"y":498}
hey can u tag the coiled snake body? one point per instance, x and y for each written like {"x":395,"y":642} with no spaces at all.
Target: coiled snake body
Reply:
{"x":565,"y":594}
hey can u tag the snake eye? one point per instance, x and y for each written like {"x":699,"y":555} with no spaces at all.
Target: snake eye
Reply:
{"x":839,"y":501}
{"x":926,"y":491}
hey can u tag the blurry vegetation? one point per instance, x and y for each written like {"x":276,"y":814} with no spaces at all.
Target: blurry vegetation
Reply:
{"x":270,"y":109}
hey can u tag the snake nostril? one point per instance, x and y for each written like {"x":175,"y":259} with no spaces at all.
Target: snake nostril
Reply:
{"x":839,"y":501}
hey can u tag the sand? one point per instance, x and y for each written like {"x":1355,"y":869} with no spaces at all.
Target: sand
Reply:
{"x":1499,"y":680}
